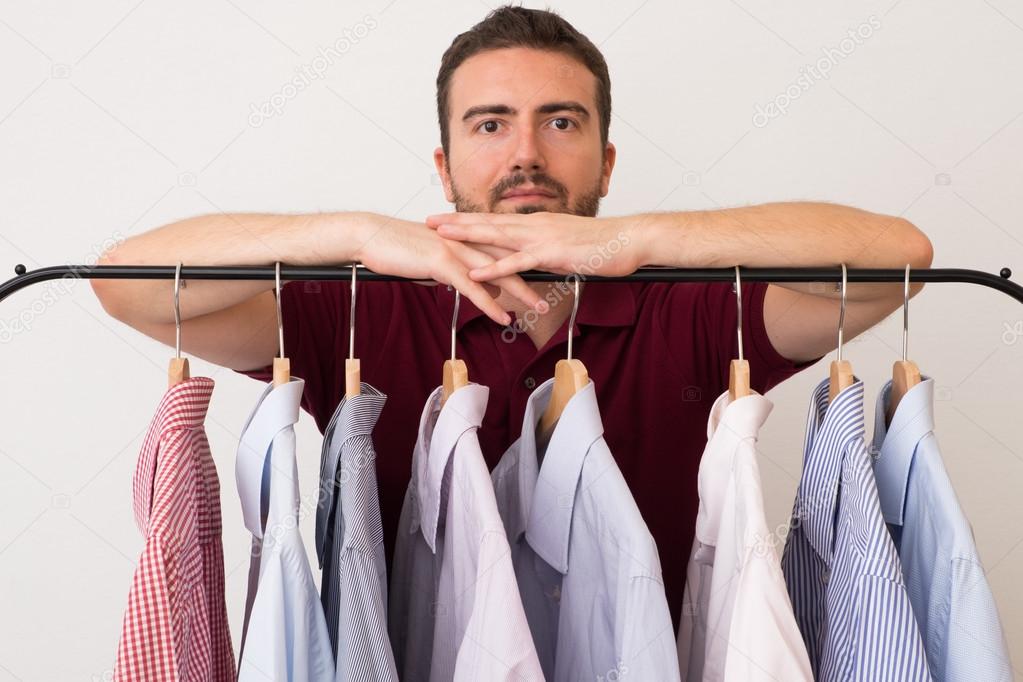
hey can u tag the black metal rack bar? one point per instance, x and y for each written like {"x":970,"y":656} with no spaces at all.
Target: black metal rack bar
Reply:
{"x":24,"y":278}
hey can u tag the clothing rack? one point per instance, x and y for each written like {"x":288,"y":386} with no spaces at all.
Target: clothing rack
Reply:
{"x":24,"y":277}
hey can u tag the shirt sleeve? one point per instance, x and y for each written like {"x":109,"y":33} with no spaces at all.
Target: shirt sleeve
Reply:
{"x":312,"y":314}
{"x":709,"y":332}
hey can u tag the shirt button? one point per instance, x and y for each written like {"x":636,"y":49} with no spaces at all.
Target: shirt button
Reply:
{"x":530,"y":382}
{"x":826,"y":575}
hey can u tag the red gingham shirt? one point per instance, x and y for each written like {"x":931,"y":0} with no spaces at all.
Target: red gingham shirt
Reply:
{"x":175,"y":626}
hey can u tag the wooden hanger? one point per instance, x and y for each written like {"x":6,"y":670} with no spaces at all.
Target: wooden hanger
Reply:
{"x":841,"y":370}
{"x":570,"y":376}
{"x":456,"y":375}
{"x":353,"y":372}
{"x":738,"y":370}
{"x":282,"y":365}
{"x":178,"y":370}
{"x":905,"y":373}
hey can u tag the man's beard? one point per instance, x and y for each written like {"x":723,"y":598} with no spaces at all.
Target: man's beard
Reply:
{"x":586,"y":205}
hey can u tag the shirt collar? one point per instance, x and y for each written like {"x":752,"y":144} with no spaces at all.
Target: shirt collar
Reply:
{"x":549,"y":495}
{"x":731,"y":422}
{"x":895,"y":445}
{"x":440,"y":430}
{"x":605,"y":304}
{"x":277,"y":409}
{"x":829,"y":431}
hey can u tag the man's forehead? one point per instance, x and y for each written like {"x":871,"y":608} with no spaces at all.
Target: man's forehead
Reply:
{"x":522,"y":79}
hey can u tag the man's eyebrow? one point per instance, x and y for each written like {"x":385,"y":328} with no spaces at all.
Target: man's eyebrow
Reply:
{"x":504,"y":109}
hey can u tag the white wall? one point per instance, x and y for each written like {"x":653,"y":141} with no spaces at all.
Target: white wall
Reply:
{"x":116,"y":117}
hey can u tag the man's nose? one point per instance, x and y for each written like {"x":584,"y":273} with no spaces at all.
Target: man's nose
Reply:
{"x":528,"y":155}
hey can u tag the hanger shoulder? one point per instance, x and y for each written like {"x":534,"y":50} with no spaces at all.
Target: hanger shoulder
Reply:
{"x":905,"y":375}
{"x":456,"y":376}
{"x":738,"y":379}
{"x":282,"y":371}
{"x":177,"y":372}
{"x":570,"y":376}
{"x":841,"y":378}
{"x":353,"y":377}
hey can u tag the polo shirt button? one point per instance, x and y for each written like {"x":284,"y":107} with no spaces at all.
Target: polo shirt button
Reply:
{"x":530,"y":382}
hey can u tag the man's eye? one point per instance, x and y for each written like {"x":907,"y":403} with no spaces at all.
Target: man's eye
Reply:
{"x":567,"y":121}
{"x":489,"y":126}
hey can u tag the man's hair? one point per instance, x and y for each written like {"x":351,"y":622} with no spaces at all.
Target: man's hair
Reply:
{"x":510,"y":26}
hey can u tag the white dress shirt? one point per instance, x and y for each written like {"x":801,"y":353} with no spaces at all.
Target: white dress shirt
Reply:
{"x":455,"y":611}
{"x":285,"y":634}
{"x":587,"y":565}
{"x":737,"y":623}
{"x":945,"y":579}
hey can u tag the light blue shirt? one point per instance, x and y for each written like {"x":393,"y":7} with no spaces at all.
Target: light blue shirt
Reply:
{"x":840,"y":566}
{"x":586,"y":564}
{"x":944,"y":577}
{"x":285,"y":634}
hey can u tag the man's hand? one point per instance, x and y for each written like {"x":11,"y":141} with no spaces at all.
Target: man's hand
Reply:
{"x":562,"y":243}
{"x":409,"y":249}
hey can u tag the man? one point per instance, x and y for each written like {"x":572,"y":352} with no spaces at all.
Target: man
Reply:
{"x":524,"y":108}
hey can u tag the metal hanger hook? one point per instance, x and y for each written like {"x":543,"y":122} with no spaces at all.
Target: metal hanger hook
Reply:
{"x":841,"y":313}
{"x":177,"y":311}
{"x":277,"y":295}
{"x":575,"y":309}
{"x":351,"y":320}
{"x":454,"y":322}
{"x":738,"y":301}
{"x":905,"y":316}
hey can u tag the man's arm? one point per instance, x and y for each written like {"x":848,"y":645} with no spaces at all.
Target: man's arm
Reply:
{"x":801,"y":318}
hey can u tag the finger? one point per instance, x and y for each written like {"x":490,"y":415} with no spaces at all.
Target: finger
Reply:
{"x":520,"y":261}
{"x":476,"y":293}
{"x":503,"y":236}
{"x":520,"y":289}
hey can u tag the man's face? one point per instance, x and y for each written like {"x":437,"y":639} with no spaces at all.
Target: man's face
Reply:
{"x":524,"y":120}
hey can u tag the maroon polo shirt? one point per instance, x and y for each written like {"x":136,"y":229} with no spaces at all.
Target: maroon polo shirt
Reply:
{"x":657,"y":353}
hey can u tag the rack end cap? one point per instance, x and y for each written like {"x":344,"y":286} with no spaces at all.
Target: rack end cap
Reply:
{"x":20,"y":269}
{"x":1006,"y":273}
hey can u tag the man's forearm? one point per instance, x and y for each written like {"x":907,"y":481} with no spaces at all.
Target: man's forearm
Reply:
{"x":224,"y":239}
{"x":793,"y":234}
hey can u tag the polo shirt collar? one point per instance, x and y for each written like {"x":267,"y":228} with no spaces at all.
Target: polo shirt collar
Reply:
{"x":462,"y":412}
{"x":549,"y":494}
{"x":895,"y":445}
{"x":603,"y":304}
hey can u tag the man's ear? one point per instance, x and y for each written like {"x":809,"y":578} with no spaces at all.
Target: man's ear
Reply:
{"x":440,"y":162}
{"x":609,"y":163}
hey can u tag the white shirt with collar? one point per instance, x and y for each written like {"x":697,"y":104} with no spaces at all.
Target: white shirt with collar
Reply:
{"x":737,"y":623}
{"x":586,"y":564}
{"x":455,"y":612}
{"x":285,"y":633}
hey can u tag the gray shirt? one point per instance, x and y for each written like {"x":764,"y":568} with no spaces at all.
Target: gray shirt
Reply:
{"x":586,"y":564}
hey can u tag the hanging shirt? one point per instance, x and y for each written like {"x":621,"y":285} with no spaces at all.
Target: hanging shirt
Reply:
{"x":946,"y":582}
{"x":350,"y":542}
{"x":455,"y":611}
{"x":737,"y":623}
{"x":586,"y":565}
{"x":175,"y":626}
{"x":285,"y":635}
{"x":671,"y":342}
{"x":841,"y":569}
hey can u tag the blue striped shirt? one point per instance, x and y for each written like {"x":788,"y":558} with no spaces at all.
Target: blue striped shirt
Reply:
{"x":951,"y":598}
{"x":840,"y":566}
{"x":350,"y":542}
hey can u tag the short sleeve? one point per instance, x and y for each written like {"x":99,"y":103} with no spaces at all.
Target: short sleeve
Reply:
{"x":312,"y":314}
{"x":709,"y":331}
